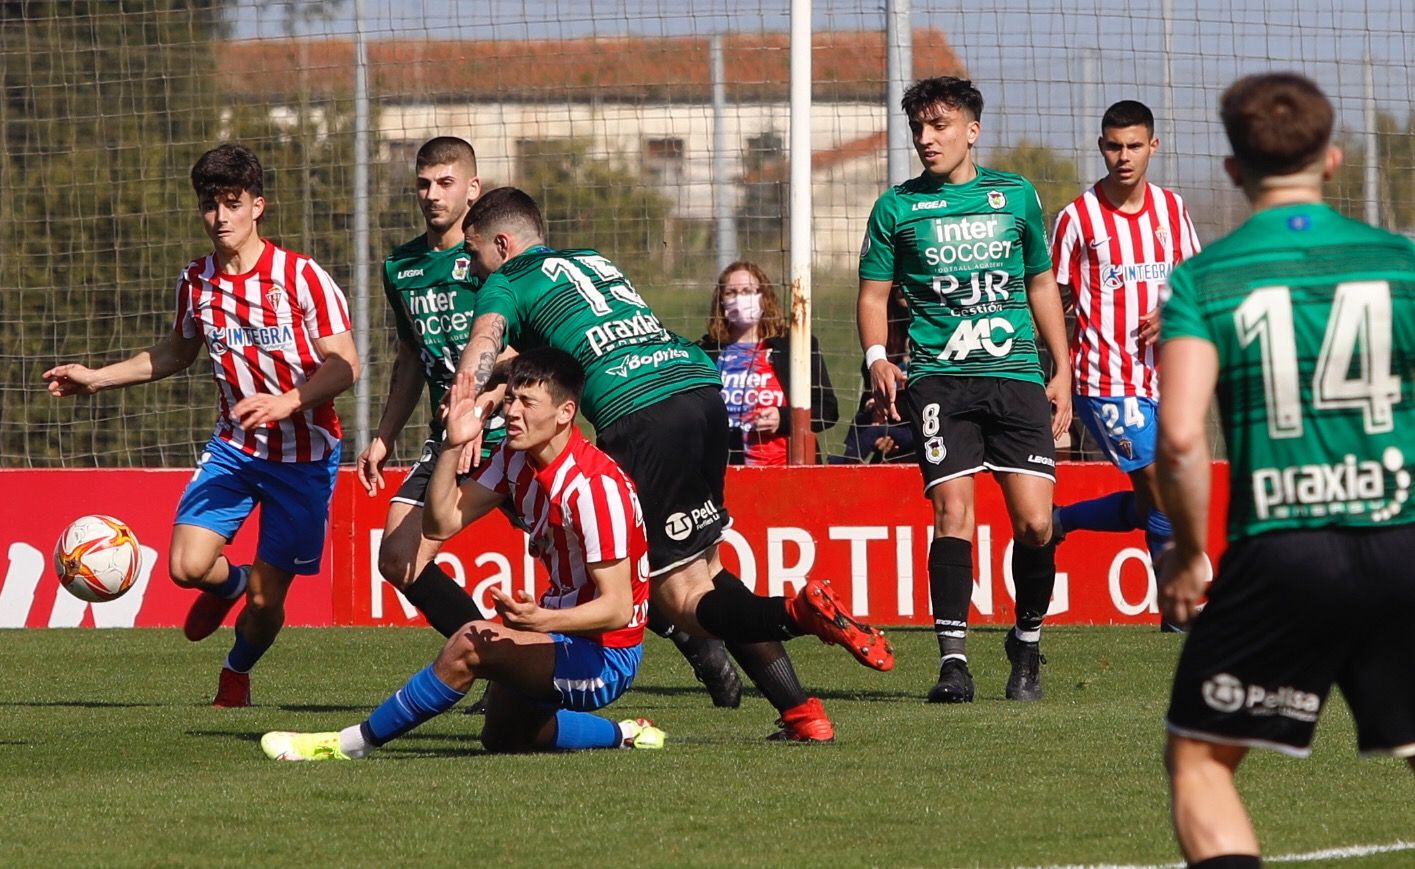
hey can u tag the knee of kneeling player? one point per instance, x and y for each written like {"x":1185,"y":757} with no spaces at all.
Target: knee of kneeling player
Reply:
{"x":457,"y":664}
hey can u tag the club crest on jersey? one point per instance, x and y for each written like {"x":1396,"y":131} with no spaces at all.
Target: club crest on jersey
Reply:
{"x":1162,"y":234}
{"x":276,"y":299}
{"x":934,"y":450}
{"x":461,"y":267}
{"x":1112,"y":277}
{"x":996,"y":199}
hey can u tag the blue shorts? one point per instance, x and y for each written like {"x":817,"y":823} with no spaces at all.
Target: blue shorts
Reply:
{"x":293,"y":497}
{"x":1126,"y":426}
{"x":589,"y":675}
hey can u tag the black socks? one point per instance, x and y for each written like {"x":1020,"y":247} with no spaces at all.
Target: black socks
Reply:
{"x":441,"y":601}
{"x":950,"y":590}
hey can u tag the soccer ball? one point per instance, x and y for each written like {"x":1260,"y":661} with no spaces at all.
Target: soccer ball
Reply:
{"x":97,"y":558}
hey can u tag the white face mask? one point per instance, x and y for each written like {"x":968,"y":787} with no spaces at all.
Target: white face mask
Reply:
{"x":743,"y":311}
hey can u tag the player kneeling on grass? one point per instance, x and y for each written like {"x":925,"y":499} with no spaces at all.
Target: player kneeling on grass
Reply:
{"x":579,"y":648}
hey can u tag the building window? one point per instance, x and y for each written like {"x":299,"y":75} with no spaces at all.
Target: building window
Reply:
{"x":662,"y":162}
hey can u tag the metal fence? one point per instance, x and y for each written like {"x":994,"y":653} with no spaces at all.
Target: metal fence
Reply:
{"x":655,"y":132}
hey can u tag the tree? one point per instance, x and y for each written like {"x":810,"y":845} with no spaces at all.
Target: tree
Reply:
{"x":103,"y":103}
{"x":1395,"y":161}
{"x":106,"y":106}
{"x":1055,"y":177}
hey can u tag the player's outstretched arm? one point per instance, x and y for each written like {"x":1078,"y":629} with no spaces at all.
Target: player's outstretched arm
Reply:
{"x":1190,"y":374}
{"x":612,"y":608}
{"x":335,"y":374}
{"x":1044,"y":300}
{"x":405,"y":387}
{"x":172,"y":354}
{"x":872,"y":314}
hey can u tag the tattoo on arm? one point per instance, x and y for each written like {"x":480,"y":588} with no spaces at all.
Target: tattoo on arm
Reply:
{"x":486,"y":357}
{"x":486,"y":361}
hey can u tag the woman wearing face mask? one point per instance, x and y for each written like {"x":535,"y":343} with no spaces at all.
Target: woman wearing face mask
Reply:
{"x":746,"y":336}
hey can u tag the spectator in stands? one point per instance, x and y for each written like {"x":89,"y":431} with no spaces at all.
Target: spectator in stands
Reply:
{"x":873,"y":439}
{"x":747,"y":338}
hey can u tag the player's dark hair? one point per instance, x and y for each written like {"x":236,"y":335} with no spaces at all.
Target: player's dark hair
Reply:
{"x":228,"y":169}
{"x":1128,"y":113}
{"x":956,"y":93}
{"x":503,"y":209}
{"x":558,"y":371}
{"x":1278,"y":123}
{"x":446,"y":150}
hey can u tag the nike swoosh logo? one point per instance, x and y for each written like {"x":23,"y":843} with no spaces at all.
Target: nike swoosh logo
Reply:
{"x":306,"y":560}
{"x":1100,"y":242}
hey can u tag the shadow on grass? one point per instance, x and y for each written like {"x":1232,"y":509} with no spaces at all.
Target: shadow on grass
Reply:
{"x":324,"y":707}
{"x":750,"y":694}
{"x":82,"y":704}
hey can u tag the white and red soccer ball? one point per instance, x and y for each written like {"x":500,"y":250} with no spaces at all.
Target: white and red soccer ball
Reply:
{"x":97,"y":558}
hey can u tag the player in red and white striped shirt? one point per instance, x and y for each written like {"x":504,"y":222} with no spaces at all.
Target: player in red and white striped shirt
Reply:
{"x":263,"y":328}
{"x":1114,"y":247}
{"x":276,"y":328}
{"x":549,"y":662}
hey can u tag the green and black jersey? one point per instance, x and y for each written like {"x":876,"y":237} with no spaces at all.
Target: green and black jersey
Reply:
{"x":580,"y":302}
{"x":433,"y":294}
{"x":962,"y":253}
{"x":1313,"y":317}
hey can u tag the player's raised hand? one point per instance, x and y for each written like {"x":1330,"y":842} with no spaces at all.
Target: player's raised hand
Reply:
{"x":518,"y":610}
{"x":1183,"y":579}
{"x":1149,"y":327}
{"x":463,"y":420}
{"x":886,"y":379}
{"x":369,"y":465}
{"x":262,"y":409}
{"x":71,"y":379}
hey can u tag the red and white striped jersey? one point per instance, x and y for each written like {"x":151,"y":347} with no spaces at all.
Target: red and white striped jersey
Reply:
{"x":1115,"y":264}
{"x":581,"y":509}
{"x":260,"y":329}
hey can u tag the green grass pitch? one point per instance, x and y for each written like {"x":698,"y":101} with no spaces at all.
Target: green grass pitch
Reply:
{"x":109,"y":755}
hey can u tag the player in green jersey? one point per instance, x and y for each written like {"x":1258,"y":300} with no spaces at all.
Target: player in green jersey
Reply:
{"x":967,"y":245}
{"x":1303,"y":323}
{"x":655,"y":401}
{"x":432,"y":290}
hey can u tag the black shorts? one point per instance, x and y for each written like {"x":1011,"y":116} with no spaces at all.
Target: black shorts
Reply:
{"x":1290,"y":613}
{"x":675,"y":451}
{"x":414,"y":488}
{"x":963,"y":425}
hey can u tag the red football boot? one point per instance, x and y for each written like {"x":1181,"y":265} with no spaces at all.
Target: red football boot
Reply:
{"x":233,"y":691}
{"x":817,"y":610}
{"x":805,"y":723}
{"x":206,"y":615}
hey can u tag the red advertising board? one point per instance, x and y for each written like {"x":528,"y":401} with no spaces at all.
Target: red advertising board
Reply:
{"x":866,"y":528}
{"x":36,"y":507}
